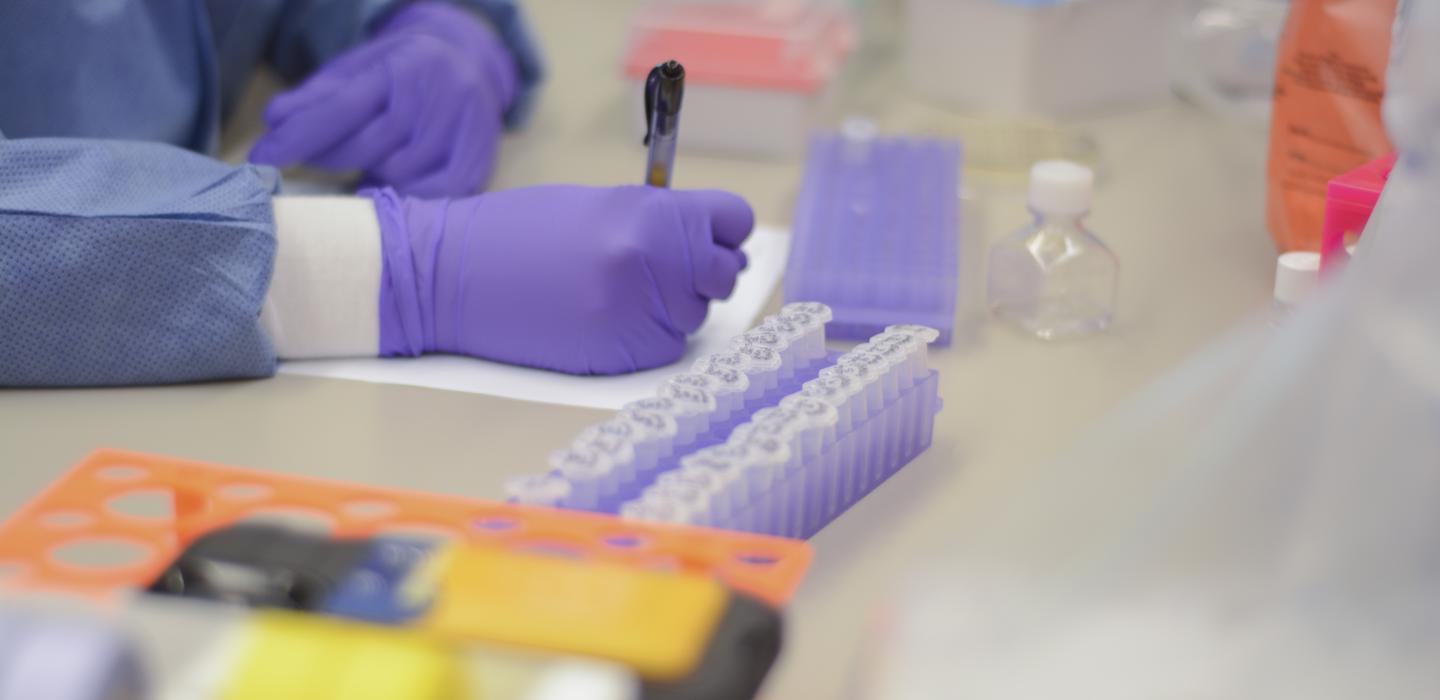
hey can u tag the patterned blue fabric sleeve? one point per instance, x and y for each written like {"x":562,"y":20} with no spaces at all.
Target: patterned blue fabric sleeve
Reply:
{"x":307,"y":33}
{"x":131,"y":263}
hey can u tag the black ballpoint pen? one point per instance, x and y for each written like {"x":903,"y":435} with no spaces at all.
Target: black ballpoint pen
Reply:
{"x":664,"y":91}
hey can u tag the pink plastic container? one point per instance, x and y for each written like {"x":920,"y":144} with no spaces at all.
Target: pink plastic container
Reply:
{"x":756,"y":73}
{"x":1349,"y":199}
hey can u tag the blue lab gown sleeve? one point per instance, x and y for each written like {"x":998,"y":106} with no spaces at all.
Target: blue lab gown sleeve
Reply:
{"x":170,"y":70}
{"x":131,"y":263}
{"x":133,"y":69}
{"x":296,"y":37}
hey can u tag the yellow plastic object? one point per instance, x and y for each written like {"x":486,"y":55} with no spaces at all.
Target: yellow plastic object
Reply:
{"x":299,"y":657}
{"x":658,"y":623}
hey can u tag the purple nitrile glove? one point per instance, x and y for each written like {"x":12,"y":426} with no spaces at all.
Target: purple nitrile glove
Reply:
{"x":417,"y":107}
{"x":576,"y":279}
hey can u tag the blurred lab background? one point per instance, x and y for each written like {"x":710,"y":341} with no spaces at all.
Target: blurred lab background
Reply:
{"x":1255,"y":515}
{"x":1234,"y":492}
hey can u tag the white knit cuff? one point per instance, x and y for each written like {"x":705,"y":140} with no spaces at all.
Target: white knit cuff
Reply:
{"x":324,"y":298}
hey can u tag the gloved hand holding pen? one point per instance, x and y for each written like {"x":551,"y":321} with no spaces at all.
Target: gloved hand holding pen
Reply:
{"x":417,"y":107}
{"x":132,"y":258}
{"x":583,"y":280}
{"x":575,"y":279}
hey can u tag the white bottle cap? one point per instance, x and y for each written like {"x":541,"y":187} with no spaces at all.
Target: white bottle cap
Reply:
{"x":1296,"y":275}
{"x":1061,"y":187}
{"x":859,"y":130}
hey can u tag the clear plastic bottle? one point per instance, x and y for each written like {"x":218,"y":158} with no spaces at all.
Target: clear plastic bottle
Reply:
{"x":1054,"y":279}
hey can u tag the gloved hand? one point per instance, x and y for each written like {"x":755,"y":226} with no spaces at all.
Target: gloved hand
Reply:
{"x":418,"y":107}
{"x":575,"y":279}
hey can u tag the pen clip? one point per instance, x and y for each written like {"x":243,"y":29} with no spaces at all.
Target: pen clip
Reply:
{"x":652,"y":89}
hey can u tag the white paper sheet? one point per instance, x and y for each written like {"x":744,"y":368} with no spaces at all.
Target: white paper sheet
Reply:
{"x":767,"y":250}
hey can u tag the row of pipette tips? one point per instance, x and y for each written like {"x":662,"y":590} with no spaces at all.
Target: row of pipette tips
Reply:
{"x":622,"y":455}
{"x":779,"y":472}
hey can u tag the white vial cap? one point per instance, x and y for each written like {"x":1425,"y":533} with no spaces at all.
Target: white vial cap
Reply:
{"x":925,"y":334}
{"x":1061,"y":187}
{"x":859,"y":130}
{"x":1296,"y":275}
{"x":537,"y":489}
{"x":814,"y":308}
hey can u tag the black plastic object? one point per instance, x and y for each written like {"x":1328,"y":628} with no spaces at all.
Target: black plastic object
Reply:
{"x":262,"y":566}
{"x":664,"y":91}
{"x":743,"y":647}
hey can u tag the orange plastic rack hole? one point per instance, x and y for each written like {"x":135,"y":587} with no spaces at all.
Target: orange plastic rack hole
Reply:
{"x":118,"y":518}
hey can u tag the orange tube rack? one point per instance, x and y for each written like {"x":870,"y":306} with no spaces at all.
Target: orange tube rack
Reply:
{"x":81,"y":509}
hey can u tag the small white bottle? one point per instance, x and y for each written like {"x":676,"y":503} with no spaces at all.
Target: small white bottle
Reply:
{"x":1054,"y":279}
{"x":1297,"y":274}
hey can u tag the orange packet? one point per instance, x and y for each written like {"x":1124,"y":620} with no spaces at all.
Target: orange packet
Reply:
{"x":1329,"y":84}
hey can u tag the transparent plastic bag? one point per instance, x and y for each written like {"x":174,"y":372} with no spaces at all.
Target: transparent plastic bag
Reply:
{"x":1224,"y":56}
{"x":1263,"y":523}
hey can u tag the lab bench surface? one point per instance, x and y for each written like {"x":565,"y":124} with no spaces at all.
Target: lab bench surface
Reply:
{"x":1180,"y":200}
